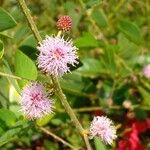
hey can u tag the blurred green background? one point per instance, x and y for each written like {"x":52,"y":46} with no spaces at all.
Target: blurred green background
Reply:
{"x":113,"y":38}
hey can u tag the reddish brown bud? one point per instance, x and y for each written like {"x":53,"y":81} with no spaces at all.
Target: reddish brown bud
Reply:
{"x":64,"y":23}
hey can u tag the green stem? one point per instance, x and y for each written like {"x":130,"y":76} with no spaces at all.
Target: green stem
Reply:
{"x":30,"y":20}
{"x":10,"y":76}
{"x":55,"y":81}
{"x":14,"y":76}
{"x":65,"y":103}
{"x":57,"y":138}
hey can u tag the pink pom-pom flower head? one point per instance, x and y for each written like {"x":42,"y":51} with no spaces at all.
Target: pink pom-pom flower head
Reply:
{"x":55,"y":55}
{"x":103,"y":127}
{"x":34,"y":101}
{"x":64,"y":23}
{"x":146,"y":71}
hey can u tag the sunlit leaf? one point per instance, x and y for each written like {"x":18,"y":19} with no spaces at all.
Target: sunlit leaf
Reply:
{"x":24,"y":67}
{"x":13,"y":95}
{"x":44,"y":120}
{"x":98,"y":144}
{"x":85,"y":41}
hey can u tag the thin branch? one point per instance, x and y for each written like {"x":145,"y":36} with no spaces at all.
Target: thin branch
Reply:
{"x":13,"y":76}
{"x":83,"y":109}
{"x":57,"y":138}
{"x":87,"y":142}
{"x":10,"y":76}
{"x":63,"y":99}
{"x":90,"y":109}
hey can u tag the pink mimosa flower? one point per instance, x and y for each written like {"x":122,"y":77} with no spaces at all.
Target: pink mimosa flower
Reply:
{"x":55,"y":55}
{"x":35,"y":102}
{"x":103,"y":127}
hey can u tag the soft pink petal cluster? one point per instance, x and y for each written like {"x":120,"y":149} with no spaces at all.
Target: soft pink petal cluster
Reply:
{"x":103,"y":127}
{"x":35,"y":102}
{"x":146,"y":71}
{"x":56,"y":54}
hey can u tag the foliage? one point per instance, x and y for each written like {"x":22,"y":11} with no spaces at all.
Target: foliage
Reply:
{"x":112,"y":37}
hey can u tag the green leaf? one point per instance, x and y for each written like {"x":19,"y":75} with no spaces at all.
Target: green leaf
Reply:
{"x":1,"y":49}
{"x":4,"y":90}
{"x":99,"y":145}
{"x":56,"y":122}
{"x":127,"y":49}
{"x":100,"y":18}
{"x":1,"y":130}
{"x":9,"y":136}
{"x":50,"y":145}
{"x":24,"y":67}
{"x":87,"y":40}
{"x":75,"y":84}
{"x":28,"y":47}
{"x":21,"y":33}
{"x":91,"y":3}
{"x":12,"y":81}
{"x":8,"y":117}
{"x":146,"y":96}
{"x":29,"y":41}
{"x":14,"y":96}
{"x":131,"y":31}
{"x":6,"y":20}
{"x":91,"y":67}
{"x":17,"y":14}
{"x":109,"y":58}
{"x":44,"y":120}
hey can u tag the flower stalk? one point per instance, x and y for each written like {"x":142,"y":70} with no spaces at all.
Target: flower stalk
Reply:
{"x":57,"y":138}
{"x":58,"y":90}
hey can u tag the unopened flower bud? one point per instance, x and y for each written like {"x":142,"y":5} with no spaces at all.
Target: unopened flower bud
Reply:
{"x":64,"y":23}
